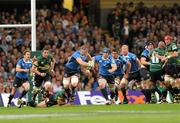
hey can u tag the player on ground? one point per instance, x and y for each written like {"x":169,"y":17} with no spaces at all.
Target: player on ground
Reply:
{"x":42,"y":68}
{"x":59,"y":99}
{"x":106,"y":68}
{"x":120,"y":74}
{"x":72,"y":70}
{"x":21,"y":80}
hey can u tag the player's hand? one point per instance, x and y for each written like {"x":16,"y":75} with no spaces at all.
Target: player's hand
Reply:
{"x":43,"y":74}
{"x":25,"y":70}
{"x":164,"y":59}
{"x":110,"y":71}
{"x":90,"y":65}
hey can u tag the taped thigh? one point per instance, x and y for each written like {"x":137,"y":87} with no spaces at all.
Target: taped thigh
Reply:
{"x":124,"y":82}
{"x":66,"y":82}
{"x":169,"y":79}
{"x":74,"y":80}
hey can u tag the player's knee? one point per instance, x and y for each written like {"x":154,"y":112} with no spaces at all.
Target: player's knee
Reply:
{"x":102,"y":82}
{"x":26,"y":86}
{"x":168,"y":80}
{"x":74,"y":81}
{"x":66,"y":82}
{"x":124,"y":83}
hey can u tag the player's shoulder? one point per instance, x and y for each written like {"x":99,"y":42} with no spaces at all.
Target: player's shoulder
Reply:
{"x":98,"y":57}
{"x":20,"y":60}
{"x":131,"y":54}
{"x":39,"y":57}
{"x":76,"y":53}
{"x":145,"y":53}
{"x":173,"y":46}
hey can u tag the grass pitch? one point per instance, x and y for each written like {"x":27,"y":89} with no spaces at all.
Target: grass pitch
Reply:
{"x":142,"y":113}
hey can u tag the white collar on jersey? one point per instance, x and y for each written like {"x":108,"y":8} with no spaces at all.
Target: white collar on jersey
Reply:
{"x":29,"y":61}
{"x":104,"y":58}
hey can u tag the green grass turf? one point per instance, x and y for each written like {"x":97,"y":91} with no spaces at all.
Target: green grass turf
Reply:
{"x":162,"y":113}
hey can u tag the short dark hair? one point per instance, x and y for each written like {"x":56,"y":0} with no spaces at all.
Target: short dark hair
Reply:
{"x":115,"y":50}
{"x":25,"y":51}
{"x":45,"y":48}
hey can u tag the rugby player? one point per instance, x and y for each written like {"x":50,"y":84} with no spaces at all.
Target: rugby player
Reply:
{"x":171,"y":63}
{"x":156,"y":70}
{"x":106,"y":68}
{"x":21,"y":80}
{"x":72,"y":70}
{"x":144,"y":71}
{"x":42,"y":67}
{"x":120,"y":74}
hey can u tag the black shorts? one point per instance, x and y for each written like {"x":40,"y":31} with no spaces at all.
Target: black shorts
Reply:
{"x":108,"y":78}
{"x":135,"y":76}
{"x":172,"y":70}
{"x":145,"y":74}
{"x":39,"y":79}
{"x":157,"y":76}
{"x":51,"y":101}
{"x":18,"y":82}
{"x":70,"y":72}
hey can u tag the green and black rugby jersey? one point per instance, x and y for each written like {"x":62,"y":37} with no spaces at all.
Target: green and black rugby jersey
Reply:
{"x":169,"y":50}
{"x":43,"y":64}
{"x":156,"y":63}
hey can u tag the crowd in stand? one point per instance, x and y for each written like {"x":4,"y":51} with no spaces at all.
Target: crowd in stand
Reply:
{"x":58,"y":29}
{"x":63,"y":32}
{"x":136,"y":24}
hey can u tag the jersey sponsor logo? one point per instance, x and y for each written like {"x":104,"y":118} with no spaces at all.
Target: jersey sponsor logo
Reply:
{"x":174,"y":47}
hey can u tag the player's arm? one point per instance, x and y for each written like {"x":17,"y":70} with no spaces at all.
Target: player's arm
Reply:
{"x":144,"y":62}
{"x":89,"y":57}
{"x":52,"y":64}
{"x":19,"y":69}
{"x":34,"y":69}
{"x":113,"y":66}
{"x":138,"y":62}
{"x":174,"y":54}
{"x":81,"y":62}
{"x":127,"y":70}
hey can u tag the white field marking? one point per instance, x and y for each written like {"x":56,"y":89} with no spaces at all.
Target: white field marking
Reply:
{"x":77,"y":114}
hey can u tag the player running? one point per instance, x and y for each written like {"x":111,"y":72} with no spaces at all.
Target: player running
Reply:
{"x":106,"y":68}
{"x":120,"y":74}
{"x":21,"y":80}
{"x":72,"y":70}
{"x":42,"y":68}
